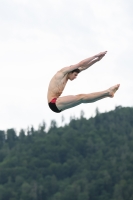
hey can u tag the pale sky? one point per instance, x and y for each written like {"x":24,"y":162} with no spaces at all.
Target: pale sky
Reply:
{"x":37,"y":38}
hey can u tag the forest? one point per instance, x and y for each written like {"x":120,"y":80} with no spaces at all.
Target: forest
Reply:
{"x":86,"y":159}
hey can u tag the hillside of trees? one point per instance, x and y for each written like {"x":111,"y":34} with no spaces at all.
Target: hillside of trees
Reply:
{"x":87,"y":159}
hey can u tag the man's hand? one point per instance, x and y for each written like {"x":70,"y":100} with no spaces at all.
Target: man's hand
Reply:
{"x":100,"y":55}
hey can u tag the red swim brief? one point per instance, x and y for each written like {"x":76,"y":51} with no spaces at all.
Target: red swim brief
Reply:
{"x":53,"y":107}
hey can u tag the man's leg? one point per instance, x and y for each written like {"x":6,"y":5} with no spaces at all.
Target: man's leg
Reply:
{"x":70,"y":101}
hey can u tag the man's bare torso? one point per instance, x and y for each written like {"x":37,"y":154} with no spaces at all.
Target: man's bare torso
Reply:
{"x":56,"y":85}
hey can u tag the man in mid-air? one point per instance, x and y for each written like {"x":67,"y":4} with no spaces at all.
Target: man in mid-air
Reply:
{"x":59,"y":80}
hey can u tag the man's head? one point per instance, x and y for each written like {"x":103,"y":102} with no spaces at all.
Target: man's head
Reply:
{"x":73,"y":74}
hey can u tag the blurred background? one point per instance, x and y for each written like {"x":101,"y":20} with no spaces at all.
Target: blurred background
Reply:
{"x":37,"y":38}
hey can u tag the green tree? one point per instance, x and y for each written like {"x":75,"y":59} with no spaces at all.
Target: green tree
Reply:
{"x":11,"y":137}
{"x":2,"y":138}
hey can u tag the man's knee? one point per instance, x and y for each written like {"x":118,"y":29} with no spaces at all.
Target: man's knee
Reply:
{"x":80,"y":97}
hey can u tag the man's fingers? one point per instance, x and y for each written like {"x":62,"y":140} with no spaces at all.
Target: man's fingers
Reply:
{"x":101,"y":54}
{"x":100,"y":57}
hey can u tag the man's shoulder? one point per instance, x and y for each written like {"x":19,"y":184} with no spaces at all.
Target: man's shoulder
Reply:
{"x":60,"y":73}
{"x":65,"y":70}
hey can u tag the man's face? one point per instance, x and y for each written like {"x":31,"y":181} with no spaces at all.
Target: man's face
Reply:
{"x":72,"y":76}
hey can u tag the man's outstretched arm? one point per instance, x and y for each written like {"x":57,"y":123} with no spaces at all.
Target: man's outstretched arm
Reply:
{"x":84,"y":64}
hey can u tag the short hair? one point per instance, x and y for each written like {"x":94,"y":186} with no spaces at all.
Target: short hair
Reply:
{"x":76,"y":70}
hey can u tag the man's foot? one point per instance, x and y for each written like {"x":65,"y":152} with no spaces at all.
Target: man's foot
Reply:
{"x":113,"y":89}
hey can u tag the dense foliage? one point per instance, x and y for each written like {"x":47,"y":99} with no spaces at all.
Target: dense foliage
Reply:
{"x":88,"y":159}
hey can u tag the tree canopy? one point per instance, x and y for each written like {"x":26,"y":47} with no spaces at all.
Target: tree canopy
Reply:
{"x":87,"y":159}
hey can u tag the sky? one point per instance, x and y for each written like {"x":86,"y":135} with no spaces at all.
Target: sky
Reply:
{"x":37,"y":38}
